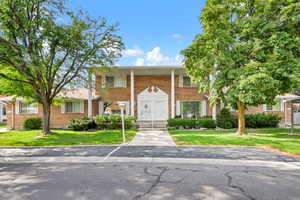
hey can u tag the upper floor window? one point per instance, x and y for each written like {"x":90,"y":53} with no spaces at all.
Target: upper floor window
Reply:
{"x":187,"y":82}
{"x":72,"y":107}
{"x":276,"y":107}
{"x":110,"y":81}
{"x":28,"y":108}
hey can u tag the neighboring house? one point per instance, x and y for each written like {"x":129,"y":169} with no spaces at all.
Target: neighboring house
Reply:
{"x":75,"y":106}
{"x":150,"y":93}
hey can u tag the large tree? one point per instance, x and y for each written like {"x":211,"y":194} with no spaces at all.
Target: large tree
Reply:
{"x":45,"y":46}
{"x":248,"y":52}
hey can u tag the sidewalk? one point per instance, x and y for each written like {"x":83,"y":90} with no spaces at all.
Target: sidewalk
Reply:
{"x":152,"y":138}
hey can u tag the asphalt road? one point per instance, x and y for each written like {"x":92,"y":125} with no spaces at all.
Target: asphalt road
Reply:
{"x":154,"y":173}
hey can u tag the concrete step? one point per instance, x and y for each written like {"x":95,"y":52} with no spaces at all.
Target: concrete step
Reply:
{"x":152,"y":129}
{"x":150,"y":124}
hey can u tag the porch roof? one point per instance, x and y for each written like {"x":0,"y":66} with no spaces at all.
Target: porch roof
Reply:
{"x":170,"y":67}
{"x":293,"y":100}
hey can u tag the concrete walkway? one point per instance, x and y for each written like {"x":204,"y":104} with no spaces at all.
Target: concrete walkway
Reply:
{"x":152,"y":138}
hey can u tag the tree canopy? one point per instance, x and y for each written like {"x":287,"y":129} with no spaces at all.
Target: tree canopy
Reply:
{"x":45,"y":46}
{"x":248,"y":52}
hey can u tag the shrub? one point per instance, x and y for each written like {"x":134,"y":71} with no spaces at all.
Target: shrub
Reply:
{"x":262,"y":120}
{"x":32,"y":123}
{"x":129,"y":122}
{"x":83,"y":124}
{"x":226,"y":120}
{"x":114,"y":122}
{"x":186,"y":123}
{"x":207,"y":123}
{"x":101,"y":122}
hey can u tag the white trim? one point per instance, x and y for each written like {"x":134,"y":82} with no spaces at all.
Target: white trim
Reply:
{"x":17,"y":107}
{"x":63,"y":108}
{"x":132,"y":92}
{"x":214,"y":112}
{"x":178,"y":112}
{"x":172,"y":94}
{"x":101,"y":106}
{"x":203,"y":108}
{"x":82,"y":106}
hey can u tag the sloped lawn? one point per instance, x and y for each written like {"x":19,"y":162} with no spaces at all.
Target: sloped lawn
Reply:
{"x":276,"y":138}
{"x":63,"y":137}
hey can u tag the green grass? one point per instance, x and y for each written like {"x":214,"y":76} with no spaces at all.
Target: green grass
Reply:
{"x":2,"y":125}
{"x":273,"y":137}
{"x":63,"y":137}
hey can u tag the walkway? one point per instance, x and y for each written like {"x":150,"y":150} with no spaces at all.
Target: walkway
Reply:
{"x":152,"y":138}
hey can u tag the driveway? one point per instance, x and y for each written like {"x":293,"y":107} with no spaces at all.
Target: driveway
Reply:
{"x":147,"y":172}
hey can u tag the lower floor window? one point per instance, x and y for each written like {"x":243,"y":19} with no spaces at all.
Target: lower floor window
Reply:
{"x":28,"y":108}
{"x":190,"y":109}
{"x":111,"y":108}
{"x":72,"y":107}
{"x":276,"y":107}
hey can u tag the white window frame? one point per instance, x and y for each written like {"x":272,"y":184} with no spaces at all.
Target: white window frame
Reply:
{"x":280,"y":107}
{"x":192,"y":84}
{"x":81,"y":106}
{"x":33,"y":108}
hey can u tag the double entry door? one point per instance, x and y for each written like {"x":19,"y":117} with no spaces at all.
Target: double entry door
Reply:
{"x":153,"y":109}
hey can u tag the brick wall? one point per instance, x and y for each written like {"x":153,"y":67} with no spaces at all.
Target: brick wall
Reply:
{"x":58,"y":119}
{"x":141,"y":82}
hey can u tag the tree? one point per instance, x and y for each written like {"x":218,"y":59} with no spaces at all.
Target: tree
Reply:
{"x":44,"y":47}
{"x":248,"y":52}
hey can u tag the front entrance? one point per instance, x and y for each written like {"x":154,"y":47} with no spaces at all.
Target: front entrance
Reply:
{"x":153,"y":105}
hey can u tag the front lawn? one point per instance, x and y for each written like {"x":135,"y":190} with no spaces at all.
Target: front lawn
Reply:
{"x":2,"y":125}
{"x":272,"y":137}
{"x":63,"y":137}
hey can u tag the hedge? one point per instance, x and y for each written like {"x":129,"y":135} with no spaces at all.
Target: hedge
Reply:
{"x":262,"y":120}
{"x":178,"y":123}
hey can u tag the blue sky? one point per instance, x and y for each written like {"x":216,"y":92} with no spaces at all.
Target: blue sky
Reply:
{"x":154,"y":32}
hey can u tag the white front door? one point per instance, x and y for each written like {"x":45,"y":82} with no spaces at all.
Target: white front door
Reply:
{"x":160,"y":110}
{"x":145,"y":110}
{"x":153,"y":105}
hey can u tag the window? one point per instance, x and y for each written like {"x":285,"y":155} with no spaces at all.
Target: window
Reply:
{"x":110,"y":108}
{"x":72,"y":107}
{"x":190,"y":109}
{"x":28,"y":108}
{"x":187,"y":82}
{"x":110,"y":81}
{"x":276,"y":107}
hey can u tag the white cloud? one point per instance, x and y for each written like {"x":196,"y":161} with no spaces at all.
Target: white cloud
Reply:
{"x":155,"y":57}
{"x":177,"y":36}
{"x":140,"y":62}
{"x":136,"y":51}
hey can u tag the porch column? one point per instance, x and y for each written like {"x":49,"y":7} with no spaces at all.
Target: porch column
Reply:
{"x":172,"y":94}
{"x":214,"y":112}
{"x":90,"y":96}
{"x":132,"y":92}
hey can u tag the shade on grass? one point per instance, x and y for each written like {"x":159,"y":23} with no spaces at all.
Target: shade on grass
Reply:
{"x":275,"y":138}
{"x":63,"y":137}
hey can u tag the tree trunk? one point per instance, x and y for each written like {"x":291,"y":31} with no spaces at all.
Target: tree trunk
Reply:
{"x":46,"y":119}
{"x":241,"y":116}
